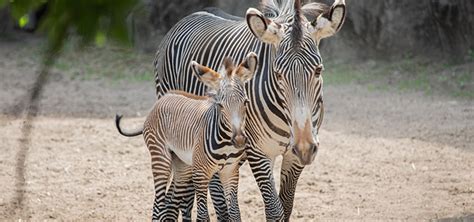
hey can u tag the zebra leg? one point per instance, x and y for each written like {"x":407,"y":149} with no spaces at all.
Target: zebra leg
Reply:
{"x":182,"y":198}
{"x":187,"y":201}
{"x":184,"y":189}
{"x":262,"y":170}
{"x":290,"y":172}
{"x":161,"y":168}
{"x":201,"y":181}
{"x":218,"y":198}
{"x":230,"y":180}
{"x":178,"y":191}
{"x":172,"y":203}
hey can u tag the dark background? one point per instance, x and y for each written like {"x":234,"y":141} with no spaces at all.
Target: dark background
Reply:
{"x":439,"y":29}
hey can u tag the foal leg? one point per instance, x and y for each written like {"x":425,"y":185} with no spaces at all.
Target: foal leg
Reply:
{"x":176,"y":194}
{"x":218,"y":198}
{"x":184,"y":189}
{"x":230,"y":180}
{"x":201,"y":180}
{"x":161,"y":168}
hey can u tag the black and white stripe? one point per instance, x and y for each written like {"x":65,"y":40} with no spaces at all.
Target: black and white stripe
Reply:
{"x":288,"y":76}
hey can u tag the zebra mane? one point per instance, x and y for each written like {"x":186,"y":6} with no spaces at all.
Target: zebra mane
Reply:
{"x":189,"y":95}
{"x":296,"y":29}
{"x":276,"y":8}
{"x":287,"y":10}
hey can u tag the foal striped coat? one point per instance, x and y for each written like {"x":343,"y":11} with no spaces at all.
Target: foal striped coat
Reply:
{"x":198,"y":136}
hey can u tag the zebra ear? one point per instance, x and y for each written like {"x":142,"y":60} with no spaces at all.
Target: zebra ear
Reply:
{"x":206,"y":75}
{"x":248,"y":67}
{"x":330,"y":22}
{"x":263,"y":28}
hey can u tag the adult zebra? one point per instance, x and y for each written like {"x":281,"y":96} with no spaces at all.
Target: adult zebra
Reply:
{"x":286,"y":106}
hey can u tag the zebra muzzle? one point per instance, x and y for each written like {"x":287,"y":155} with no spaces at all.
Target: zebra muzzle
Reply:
{"x":305,"y":154}
{"x":305,"y":145}
{"x":239,"y":141}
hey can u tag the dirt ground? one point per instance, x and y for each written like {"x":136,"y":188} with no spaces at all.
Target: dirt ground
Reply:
{"x":385,"y":155}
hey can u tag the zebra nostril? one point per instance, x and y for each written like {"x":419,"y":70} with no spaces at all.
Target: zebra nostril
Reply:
{"x":239,"y":141}
{"x":314,"y":148}
{"x":293,"y":150}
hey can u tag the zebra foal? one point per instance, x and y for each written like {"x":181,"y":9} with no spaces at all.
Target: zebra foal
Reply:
{"x":206,"y":133}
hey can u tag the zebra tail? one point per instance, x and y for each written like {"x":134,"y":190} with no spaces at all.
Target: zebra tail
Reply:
{"x":127,"y":134}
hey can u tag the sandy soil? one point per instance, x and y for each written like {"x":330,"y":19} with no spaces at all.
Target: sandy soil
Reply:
{"x":385,"y":155}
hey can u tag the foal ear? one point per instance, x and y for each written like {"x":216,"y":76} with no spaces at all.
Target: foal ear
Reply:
{"x":330,"y":22}
{"x":263,"y":28}
{"x":247,"y":68}
{"x":206,"y":75}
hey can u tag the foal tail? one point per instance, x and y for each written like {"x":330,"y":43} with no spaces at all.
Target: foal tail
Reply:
{"x":125,"y":133}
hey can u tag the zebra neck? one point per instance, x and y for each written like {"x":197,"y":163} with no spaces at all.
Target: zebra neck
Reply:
{"x":267,"y":97}
{"x":221,"y":129}
{"x":218,"y":132}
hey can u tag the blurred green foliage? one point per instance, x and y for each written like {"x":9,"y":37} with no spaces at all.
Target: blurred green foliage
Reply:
{"x":90,"y":20}
{"x":23,"y":21}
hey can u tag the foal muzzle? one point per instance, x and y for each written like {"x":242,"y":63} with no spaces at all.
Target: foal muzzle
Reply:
{"x":239,"y":141}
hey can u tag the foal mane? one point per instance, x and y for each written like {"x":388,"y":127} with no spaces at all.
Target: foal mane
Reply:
{"x":188,"y":95}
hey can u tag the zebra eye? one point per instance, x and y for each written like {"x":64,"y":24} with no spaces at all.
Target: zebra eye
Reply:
{"x":319,"y":69}
{"x":279,"y":76}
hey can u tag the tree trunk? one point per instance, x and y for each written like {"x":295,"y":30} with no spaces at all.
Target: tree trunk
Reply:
{"x":6,"y":22}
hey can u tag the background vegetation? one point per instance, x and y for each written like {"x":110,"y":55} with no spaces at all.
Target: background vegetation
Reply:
{"x":423,"y":45}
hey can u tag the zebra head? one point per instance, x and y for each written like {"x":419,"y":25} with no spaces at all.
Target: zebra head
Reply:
{"x":228,"y":89}
{"x":295,"y":33}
